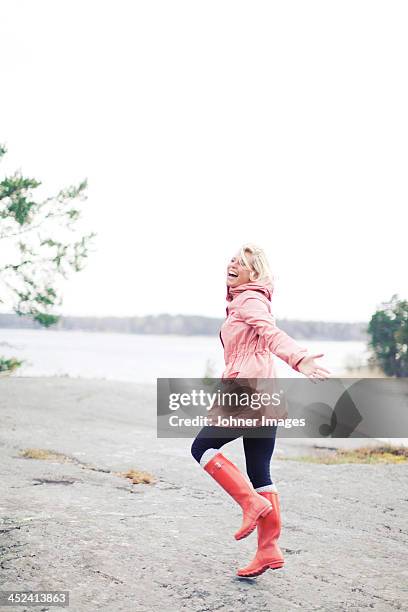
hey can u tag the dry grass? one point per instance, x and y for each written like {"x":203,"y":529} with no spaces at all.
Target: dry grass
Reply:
{"x":44,"y":454}
{"x":365,"y":454}
{"x":362,"y":372}
{"x":138,"y":477}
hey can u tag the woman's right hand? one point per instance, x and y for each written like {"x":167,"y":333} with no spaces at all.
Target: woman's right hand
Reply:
{"x":310,"y":368}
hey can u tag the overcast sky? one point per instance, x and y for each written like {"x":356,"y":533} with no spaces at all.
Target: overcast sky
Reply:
{"x":201,"y":125}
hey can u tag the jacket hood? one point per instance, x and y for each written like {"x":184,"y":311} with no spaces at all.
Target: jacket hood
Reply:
{"x":264,"y":287}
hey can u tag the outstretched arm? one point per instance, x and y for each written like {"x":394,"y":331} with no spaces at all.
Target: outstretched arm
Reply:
{"x":256,"y":313}
{"x":309,"y":367}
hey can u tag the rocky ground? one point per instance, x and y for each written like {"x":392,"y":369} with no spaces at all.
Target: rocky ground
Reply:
{"x":77,"y":525}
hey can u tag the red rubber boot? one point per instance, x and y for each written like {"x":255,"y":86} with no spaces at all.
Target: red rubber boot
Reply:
{"x":254,"y":506}
{"x":268,"y":555}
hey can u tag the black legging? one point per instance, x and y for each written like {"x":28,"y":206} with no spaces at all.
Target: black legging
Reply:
{"x":258,"y":450}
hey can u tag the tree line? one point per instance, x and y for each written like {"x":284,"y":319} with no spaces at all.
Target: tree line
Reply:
{"x":188,"y":325}
{"x":44,"y":243}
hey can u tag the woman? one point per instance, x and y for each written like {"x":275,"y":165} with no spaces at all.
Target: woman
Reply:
{"x":250,"y":338}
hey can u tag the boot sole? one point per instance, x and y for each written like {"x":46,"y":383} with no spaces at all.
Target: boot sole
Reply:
{"x":252,"y":526}
{"x":261,"y":570}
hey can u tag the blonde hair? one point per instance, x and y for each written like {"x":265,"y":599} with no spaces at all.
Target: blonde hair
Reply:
{"x":254,"y":259}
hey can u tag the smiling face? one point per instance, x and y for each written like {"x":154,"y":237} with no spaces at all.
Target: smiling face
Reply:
{"x":237,"y":273}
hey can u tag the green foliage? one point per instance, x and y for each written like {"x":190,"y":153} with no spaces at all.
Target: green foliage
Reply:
{"x":388,"y":331}
{"x":43,"y":244}
{"x":9,"y":365}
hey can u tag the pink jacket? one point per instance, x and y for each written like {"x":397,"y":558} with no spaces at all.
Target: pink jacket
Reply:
{"x":250,"y":337}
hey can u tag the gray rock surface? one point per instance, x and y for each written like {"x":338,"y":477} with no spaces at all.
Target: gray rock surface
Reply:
{"x":169,"y":546}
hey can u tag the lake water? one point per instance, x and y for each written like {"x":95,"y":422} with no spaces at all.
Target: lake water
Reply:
{"x":142,"y":358}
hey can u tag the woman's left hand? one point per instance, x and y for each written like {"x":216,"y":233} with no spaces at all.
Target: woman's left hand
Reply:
{"x":310,"y":368}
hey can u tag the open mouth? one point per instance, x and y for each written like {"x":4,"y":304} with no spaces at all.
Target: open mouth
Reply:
{"x":232,"y":275}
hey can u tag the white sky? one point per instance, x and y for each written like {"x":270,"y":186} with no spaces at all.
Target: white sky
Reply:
{"x":201,"y":125}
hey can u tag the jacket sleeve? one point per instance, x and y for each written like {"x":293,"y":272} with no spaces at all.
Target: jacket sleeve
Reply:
{"x":255,"y":312}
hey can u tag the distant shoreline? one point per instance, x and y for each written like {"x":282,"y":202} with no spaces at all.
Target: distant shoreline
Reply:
{"x":188,"y":325}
